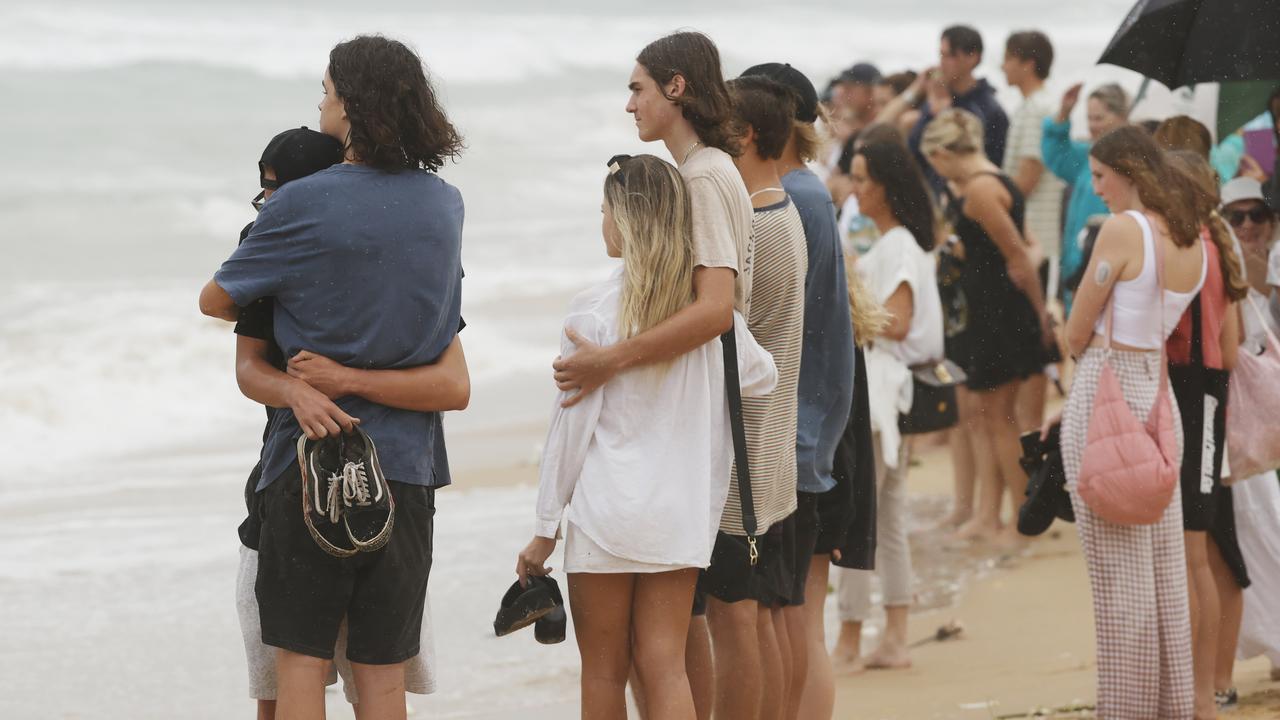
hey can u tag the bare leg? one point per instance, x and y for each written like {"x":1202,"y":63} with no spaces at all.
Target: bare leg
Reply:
{"x":1031,"y":401}
{"x":818,"y":699}
{"x":699,"y":666}
{"x":773,"y":664}
{"x":266,"y":710}
{"x":300,"y":681}
{"x":962,"y":467}
{"x":1204,"y":622}
{"x":892,"y":652}
{"x":985,"y":522}
{"x":1231,"y":600}
{"x":381,"y":689}
{"x":736,"y":646}
{"x":637,"y":687}
{"x":846,"y":656}
{"x":601,"y":607}
{"x":1000,"y":419}
{"x":660,"y":612}
{"x":796,"y":620}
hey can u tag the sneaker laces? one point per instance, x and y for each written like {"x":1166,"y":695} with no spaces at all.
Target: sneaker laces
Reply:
{"x":347,"y":489}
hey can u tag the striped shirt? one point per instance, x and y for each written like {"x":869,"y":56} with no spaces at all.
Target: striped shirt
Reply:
{"x":776,"y":320}
{"x":1044,"y":204}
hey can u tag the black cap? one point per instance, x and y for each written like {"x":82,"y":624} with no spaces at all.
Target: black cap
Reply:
{"x":783,"y":73}
{"x":298,"y":153}
{"x":861,"y":74}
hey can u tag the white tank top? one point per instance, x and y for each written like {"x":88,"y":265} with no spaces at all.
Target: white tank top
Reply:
{"x":1136,"y":321}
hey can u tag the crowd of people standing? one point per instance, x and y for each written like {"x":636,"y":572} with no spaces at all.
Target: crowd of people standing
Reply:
{"x":736,"y":403}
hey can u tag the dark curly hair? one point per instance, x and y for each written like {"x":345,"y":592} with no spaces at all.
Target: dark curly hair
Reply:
{"x":396,"y":120}
{"x":705,"y":102}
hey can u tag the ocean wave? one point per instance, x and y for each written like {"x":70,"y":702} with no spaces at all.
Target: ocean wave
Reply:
{"x":481,"y":47}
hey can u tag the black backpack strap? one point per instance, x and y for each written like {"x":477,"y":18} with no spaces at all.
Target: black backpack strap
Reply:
{"x":733,"y":390}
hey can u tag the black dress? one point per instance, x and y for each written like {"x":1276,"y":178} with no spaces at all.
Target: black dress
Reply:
{"x":1000,"y":340}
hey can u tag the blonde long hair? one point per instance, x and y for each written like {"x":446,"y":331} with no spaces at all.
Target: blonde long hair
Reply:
{"x":650,"y":206}
{"x":869,"y":316}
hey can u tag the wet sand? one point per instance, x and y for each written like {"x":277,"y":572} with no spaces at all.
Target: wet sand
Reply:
{"x":1028,"y":640}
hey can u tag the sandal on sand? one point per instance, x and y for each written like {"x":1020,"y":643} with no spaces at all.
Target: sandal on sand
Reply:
{"x":346,"y":501}
{"x":550,"y":629}
{"x":523,"y":606}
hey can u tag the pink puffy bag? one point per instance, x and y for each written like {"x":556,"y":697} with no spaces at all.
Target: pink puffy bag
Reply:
{"x":1130,"y":470}
{"x":1253,"y":410}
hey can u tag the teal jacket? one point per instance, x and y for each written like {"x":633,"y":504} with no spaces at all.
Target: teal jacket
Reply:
{"x":1069,"y":160}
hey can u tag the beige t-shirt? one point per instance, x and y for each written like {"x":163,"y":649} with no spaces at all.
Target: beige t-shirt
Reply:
{"x":721,"y":217}
{"x":1044,"y":204}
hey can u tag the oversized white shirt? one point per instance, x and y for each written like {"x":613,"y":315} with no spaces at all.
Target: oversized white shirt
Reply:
{"x":642,"y":464}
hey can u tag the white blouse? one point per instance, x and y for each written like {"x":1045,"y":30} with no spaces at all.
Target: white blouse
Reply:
{"x":642,"y":464}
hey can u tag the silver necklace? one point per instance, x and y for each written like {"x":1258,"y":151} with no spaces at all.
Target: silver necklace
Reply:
{"x":689,"y":152}
{"x":765,"y":190}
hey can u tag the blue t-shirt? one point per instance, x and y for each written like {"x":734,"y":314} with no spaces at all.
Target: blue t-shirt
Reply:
{"x":824,"y":395}
{"x":979,"y":100}
{"x":365,"y":268}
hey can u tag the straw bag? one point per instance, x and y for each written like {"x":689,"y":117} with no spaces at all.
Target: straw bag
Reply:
{"x":1253,"y":412}
{"x":1130,"y":470}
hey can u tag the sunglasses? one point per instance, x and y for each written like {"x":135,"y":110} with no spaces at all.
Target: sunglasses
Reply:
{"x":615,"y":168}
{"x":1257,"y":215}
{"x":261,"y":197}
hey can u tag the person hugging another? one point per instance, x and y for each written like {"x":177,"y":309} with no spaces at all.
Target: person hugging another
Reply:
{"x":639,"y":470}
{"x":374,"y":282}
{"x":678,"y":97}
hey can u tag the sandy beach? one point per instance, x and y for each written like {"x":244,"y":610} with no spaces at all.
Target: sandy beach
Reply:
{"x":124,"y":593}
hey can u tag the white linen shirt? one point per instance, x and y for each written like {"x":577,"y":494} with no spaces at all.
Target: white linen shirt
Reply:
{"x":642,"y":464}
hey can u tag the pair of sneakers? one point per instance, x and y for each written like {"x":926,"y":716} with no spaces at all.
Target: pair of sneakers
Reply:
{"x":346,"y":501}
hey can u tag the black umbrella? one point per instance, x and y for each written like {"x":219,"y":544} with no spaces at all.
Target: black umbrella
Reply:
{"x":1184,"y":42}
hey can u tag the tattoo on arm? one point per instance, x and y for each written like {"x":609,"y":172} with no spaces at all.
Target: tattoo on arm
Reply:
{"x":1103,"y":273}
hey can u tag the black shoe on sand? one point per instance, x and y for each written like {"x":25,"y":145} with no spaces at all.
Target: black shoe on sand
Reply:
{"x":346,"y":500}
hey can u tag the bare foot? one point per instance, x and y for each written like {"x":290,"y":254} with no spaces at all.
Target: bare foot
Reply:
{"x":888,"y":659}
{"x":847,"y":664}
{"x":950,"y":523}
{"x":976,"y":530}
{"x":1010,"y":540}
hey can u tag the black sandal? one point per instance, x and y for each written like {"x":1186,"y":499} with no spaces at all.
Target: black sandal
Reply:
{"x":523,"y":606}
{"x":551,"y":628}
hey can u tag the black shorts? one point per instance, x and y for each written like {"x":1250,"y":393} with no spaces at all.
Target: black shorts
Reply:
{"x":251,"y":528}
{"x":807,"y":527}
{"x":834,"y":513}
{"x":1223,"y":534}
{"x":304,"y":593}
{"x":732,"y":578}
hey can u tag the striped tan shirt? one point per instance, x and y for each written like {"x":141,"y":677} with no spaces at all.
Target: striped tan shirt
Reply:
{"x":776,"y":320}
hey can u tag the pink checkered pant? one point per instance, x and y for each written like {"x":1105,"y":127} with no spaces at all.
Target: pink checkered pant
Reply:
{"x":1137,"y":573}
